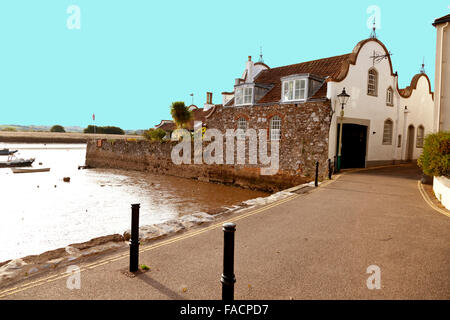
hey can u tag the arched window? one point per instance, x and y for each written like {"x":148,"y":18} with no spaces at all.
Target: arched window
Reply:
{"x":372,"y":82}
{"x":390,"y":96}
{"x":242,"y":128}
{"x":275,"y":128}
{"x":420,"y":136}
{"x":387,"y":132}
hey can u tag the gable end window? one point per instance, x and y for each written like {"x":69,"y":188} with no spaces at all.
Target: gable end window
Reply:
{"x":372,"y":83}
{"x":390,"y":97}
{"x":294,"y":90}
{"x":387,"y":132}
{"x":243,"y":96}
{"x":420,"y":136}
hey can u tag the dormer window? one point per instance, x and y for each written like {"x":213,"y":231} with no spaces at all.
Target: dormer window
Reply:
{"x":243,"y":96}
{"x":294,"y":90}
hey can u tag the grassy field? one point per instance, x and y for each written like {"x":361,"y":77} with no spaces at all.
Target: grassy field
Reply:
{"x":56,"y":137}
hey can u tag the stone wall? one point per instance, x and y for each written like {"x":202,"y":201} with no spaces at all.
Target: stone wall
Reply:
{"x":304,"y":140}
{"x":304,"y":132}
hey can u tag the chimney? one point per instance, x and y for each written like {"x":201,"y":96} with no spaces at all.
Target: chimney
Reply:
{"x":208,"y":103}
{"x":249,"y":68}
{"x":209,"y":97}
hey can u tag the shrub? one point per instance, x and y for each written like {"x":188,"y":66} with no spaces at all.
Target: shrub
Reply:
{"x":104,"y":130}
{"x":180,"y":113}
{"x":435,"y":158}
{"x":154,"y":134}
{"x":12,"y":129}
{"x":57,"y":128}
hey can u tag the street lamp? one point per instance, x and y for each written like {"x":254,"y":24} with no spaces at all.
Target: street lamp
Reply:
{"x":343,"y":98}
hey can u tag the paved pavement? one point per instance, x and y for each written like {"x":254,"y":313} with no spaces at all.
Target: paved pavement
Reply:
{"x":314,"y":246}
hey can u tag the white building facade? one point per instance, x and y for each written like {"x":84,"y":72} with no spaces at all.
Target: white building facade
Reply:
{"x":392,"y":121}
{"x":382,"y":124}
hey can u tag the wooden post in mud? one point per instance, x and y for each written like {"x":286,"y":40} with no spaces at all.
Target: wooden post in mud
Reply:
{"x":228,"y":279}
{"x":316,"y":181}
{"x":134,"y":243}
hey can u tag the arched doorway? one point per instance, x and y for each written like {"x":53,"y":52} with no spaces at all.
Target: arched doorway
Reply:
{"x":410,"y":143}
{"x":354,"y":144}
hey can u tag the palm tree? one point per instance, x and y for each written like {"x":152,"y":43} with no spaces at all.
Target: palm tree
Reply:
{"x":180,"y":114}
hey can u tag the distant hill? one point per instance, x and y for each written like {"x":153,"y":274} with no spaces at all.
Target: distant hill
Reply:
{"x":16,"y":127}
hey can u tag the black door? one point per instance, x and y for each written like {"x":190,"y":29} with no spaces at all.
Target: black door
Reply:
{"x":354,"y":138}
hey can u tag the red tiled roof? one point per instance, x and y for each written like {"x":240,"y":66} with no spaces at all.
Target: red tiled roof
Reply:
{"x":327,"y":67}
{"x":168,"y":125}
{"x":321,"y":93}
{"x":198,"y":115}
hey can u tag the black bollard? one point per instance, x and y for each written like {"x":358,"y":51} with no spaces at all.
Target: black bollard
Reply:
{"x":335,"y":164}
{"x":316,"y":182}
{"x":330,"y":171}
{"x":134,"y":243}
{"x":228,"y":279}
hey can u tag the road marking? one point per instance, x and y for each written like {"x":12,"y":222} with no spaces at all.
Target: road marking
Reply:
{"x":429,"y":201}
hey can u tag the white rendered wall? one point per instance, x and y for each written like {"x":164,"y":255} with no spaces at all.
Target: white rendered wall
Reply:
{"x":373,"y":110}
{"x":364,"y":107}
{"x":441,"y":188}
{"x":421,"y":107}
{"x":442,"y":78}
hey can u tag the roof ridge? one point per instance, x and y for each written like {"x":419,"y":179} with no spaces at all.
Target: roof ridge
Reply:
{"x":294,"y":64}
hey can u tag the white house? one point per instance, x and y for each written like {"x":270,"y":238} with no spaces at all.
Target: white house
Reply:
{"x":382,"y":123}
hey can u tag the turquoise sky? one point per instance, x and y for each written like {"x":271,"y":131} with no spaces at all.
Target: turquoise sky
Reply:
{"x":131,"y":59}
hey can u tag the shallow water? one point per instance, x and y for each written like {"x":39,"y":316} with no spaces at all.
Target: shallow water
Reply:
{"x":40,"y":212}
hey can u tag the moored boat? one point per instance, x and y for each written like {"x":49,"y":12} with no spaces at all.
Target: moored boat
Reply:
{"x":22,"y":170}
{"x":7,"y":152}
{"x":16,"y":163}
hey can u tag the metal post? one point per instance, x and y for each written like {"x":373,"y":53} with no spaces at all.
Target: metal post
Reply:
{"x":316,"y":182}
{"x":330,"y":172}
{"x":340,"y":140}
{"x":134,"y":243}
{"x":335,"y":165}
{"x":228,"y":279}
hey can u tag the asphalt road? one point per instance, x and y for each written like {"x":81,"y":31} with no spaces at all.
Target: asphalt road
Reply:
{"x":315,"y":246}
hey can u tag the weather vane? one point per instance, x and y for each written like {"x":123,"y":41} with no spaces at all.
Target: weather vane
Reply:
{"x":378,"y":57}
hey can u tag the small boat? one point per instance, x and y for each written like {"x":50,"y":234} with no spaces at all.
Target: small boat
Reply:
{"x":7,"y":152}
{"x":21,"y":170}
{"x":16,"y":163}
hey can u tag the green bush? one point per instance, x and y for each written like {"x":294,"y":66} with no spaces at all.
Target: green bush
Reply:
{"x":57,"y":128}
{"x":154,"y":134}
{"x":104,"y":130}
{"x":435,"y":158}
{"x":12,"y":129}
